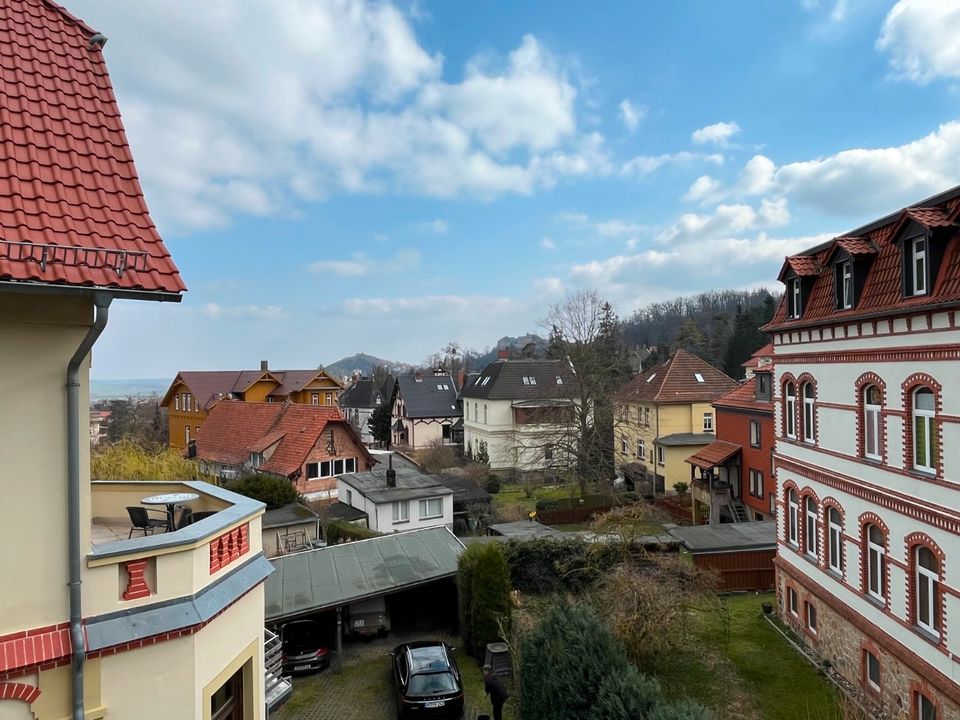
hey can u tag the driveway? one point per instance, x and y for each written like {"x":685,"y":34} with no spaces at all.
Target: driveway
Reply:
{"x":365,"y":689}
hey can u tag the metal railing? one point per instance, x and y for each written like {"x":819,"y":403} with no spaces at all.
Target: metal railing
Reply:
{"x":277,"y":688}
{"x":50,"y":254}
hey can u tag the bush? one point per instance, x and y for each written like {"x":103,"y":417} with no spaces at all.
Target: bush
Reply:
{"x":437,"y":457}
{"x":483,"y":582}
{"x":274,"y":491}
{"x":482,"y":457}
{"x":567,"y":565}
{"x":493,"y":484}
{"x":564,"y":662}
{"x":626,"y":694}
{"x":682,"y":710}
{"x":338,"y":532}
{"x":681,"y":488}
{"x":126,"y":460}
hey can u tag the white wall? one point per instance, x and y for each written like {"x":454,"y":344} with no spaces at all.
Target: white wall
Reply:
{"x":380,"y":516}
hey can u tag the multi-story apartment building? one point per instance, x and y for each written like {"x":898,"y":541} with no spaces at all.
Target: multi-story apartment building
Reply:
{"x":193,"y":392}
{"x":524,"y":413}
{"x":663,"y":415}
{"x":93,"y":624}
{"x":867,"y":408}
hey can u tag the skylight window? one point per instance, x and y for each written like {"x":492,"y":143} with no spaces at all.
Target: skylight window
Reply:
{"x":486,"y":380}
{"x":559,"y":380}
{"x":479,"y":378}
{"x":699,"y":377}
{"x":651,"y":377}
{"x":526,"y":380}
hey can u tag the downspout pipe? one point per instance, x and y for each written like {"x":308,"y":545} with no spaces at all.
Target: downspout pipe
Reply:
{"x":101,"y":302}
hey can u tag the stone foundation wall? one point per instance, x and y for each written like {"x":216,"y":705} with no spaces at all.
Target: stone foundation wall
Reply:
{"x":843,"y":645}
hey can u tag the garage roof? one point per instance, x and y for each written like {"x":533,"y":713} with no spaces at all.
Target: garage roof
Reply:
{"x":341,"y":574}
{"x":731,"y":537}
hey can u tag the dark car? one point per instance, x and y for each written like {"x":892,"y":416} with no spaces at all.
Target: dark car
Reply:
{"x":427,"y":680}
{"x":303,"y":647}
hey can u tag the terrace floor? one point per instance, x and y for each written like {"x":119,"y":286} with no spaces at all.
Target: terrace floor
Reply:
{"x":108,"y":530}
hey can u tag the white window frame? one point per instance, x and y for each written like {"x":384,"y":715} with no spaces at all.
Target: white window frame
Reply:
{"x":809,"y":413}
{"x":793,"y":602}
{"x":484,"y":413}
{"x":871,"y":425}
{"x":425,"y":508}
{"x":810,"y":619}
{"x":660,"y":455}
{"x":926,"y":418}
{"x":918,"y":258}
{"x":790,"y":395}
{"x":756,"y":483}
{"x":756,"y":435}
{"x":315,"y":398}
{"x":641,"y":449}
{"x":401,"y":511}
{"x":793,"y":518}
{"x":834,"y":540}
{"x":875,"y":685}
{"x":921,"y":700}
{"x":931,"y":579}
{"x":329,"y":464}
{"x":708,"y":422}
{"x":176,"y":401}
{"x":811,"y":545}
{"x":876,"y":565}
{"x":796,"y":298}
{"x":646,"y":417}
{"x":846,"y":284}
{"x":623,"y":445}
{"x":349,"y":465}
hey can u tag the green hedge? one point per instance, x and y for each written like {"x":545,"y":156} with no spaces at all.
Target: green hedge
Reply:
{"x":602,"y":500}
{"x":483,"y":584}
{"x":336,"y":532}
{"x":563,"y":565}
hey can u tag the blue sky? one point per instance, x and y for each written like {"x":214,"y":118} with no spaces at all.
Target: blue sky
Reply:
{"x":339,"y":177}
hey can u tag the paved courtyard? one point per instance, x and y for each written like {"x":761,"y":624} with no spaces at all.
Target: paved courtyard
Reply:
{"x":365,"y":689}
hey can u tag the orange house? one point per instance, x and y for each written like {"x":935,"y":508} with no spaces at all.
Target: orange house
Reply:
{"x":193,"y":393}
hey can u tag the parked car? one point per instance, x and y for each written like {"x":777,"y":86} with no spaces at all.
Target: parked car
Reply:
{"x":303,"y":647}
{"x":367,"y":618}
{"x":427,"y":681}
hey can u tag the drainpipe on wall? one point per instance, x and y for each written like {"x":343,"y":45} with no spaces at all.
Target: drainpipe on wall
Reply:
{"x":101,"y":303}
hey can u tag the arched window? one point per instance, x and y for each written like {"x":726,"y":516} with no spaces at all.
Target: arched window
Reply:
{"x":924,"y":430}
{"x":810,"y":527}
{"x":792,"y":520}
{"x":475,"y":412}
{"x":808,"y":415}
{"x":790,"y":410}
{"x":871,"y":422}
{"x":876,"y":575}
{"x":835,"y":540}
{"x":927,"y":580}
{"x":484,"y":413}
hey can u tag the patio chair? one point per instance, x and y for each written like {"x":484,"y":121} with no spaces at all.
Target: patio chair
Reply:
{"x":141,"y":520}
{"x":186,"y":517}
{"x":201,"y":514}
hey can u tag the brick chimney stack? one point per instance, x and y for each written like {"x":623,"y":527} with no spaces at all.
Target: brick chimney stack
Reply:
{"x":503,"y":354}
{"x":264,"y":366}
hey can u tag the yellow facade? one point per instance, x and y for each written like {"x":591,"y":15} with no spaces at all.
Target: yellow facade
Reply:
{"x":646,"y":421}
{"x":174,"y":674}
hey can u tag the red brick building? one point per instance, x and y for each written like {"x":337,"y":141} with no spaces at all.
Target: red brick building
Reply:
{"x":308,"y":444}
{"x":740,"y":459}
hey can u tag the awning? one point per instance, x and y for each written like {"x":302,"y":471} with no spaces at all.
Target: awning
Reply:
{"x":316,"y":580}
{"x":716,"y":453}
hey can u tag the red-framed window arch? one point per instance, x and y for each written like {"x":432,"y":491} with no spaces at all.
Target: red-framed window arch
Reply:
{"x":789,"y":395}
{"x":908,"y":389}
{"x":807,"y":423}
{"x":806,"y":518}
{"x":934,"y":601}
{"x":864,"y":522}
{"x":865,"y":425}
{"x":833,"y":524}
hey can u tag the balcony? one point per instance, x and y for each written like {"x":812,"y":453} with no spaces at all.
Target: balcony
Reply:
{"x":124,"y":574}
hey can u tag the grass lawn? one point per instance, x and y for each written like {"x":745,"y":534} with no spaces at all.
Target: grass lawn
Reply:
{"x":512,"y":502}
{"x":750,"y":671}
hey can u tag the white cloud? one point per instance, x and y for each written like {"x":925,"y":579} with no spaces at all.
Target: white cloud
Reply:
{"x":249,"y":108}
{"x":921,"y":39}
{"x":548,"y":244}
{"x":435,"y":305}
{"x":646,"y":164}
{"x":215,"y":311}
{"x":631,"y":114}
{"x":717,"y":134}
{"x":726,"y":220}
{"x":617,"y":228}
{"x":876,"y":181}
{"x":757,"y":176}
{"x":438,"y":226}
{"x":704,"y":188}
{"x":361,"y":264}
{"x":549,"y":287}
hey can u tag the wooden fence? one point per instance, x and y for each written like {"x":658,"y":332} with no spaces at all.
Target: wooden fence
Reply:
{"x":740,"y":570}
{"x":570,"y":515}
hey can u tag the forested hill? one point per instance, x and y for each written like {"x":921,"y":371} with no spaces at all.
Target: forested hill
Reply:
{"x":721,"y":326}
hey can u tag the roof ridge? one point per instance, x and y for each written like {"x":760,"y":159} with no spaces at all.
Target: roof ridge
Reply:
{"x":69,"y":16}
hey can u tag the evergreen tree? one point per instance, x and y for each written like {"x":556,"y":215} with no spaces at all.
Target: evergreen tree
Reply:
{"x":380,"y":423}
{"x":692,"y":338}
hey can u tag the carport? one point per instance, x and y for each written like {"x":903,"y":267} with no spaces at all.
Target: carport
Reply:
{"x":333,"y":577}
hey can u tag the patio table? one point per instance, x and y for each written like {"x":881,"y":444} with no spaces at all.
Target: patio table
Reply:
{"x":171,"y":500}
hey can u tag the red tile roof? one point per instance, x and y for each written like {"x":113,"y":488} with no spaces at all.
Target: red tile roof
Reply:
{"x":744,"y":398}
{"x":71,"y":208}
{"x":208,"y":386}
{"x":714,"y":454}
{"x":675,"y":381}
{"x":763,"y":354}
{"x":236,"y":429}
{"x":856,"y":246}
{"x":883,"y":291}
{"x":802,"y":265}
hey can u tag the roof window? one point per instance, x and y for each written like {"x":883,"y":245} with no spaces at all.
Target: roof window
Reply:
{"x":651,"y":377}
{"x":529,"y":380}
{"x":442,"y":386}
{"x":559,"y":380}
{"x":699,"y":377}
{"x":486,"y":380}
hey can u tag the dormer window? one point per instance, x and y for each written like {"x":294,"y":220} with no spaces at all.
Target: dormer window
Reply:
{"x":796,"y":298}
{"x":918,"y":264}
{"x":845,"y":283}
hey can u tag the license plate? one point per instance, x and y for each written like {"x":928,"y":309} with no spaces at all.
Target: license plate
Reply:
{"x":297,"y":668}
{"x":434,"y":703}
{"x":358,"y":623}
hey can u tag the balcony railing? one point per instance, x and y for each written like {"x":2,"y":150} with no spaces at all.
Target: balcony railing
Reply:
{"x":277,"y":688}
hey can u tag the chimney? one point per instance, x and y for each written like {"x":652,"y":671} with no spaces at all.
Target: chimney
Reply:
{"x":391,"y":474}
{"x":418,"y":377}
{"x":503,"y":354}
{"x":460,"y":378}
{"x":264,"y":366}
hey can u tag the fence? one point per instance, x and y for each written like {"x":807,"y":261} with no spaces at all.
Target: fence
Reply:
{"x":571,"y":515}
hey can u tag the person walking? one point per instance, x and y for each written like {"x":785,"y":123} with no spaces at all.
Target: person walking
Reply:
{"x":493,"y":686}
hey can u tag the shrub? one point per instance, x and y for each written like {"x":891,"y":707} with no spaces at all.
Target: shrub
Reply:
{"x":126,"y":460}
{"x":483,"y":582}
{"x":337,"y":532}
{"x":682,"y":710}
{"x":564,"y":662}
{"x":482,"y":456}
{"x":626,"y":694}
{"x":681,"y":488}
{"x":274,"y":491}
{"x":493,"y":484}
{"x":437,"y":457}
{"x":566,"y":565}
